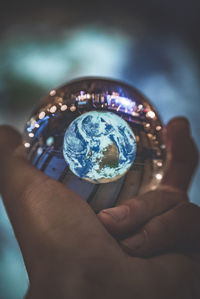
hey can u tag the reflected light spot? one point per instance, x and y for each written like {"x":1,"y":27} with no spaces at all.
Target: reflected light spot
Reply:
{"x":135,"y":113}
{"x":42,"y":115}
{"x":72,"y":108}
{"x":137,"y":138}
{"x":63,"y":107}
{"x":159,"y":176}
{"x":163,"y":146}
{"x":158,"y":128}
{"x":52,"y":93}
{"x":159,"y":164}
{"x":49,"y":141}
{"x":117,"y":107}
{"x":39,"y":151}
{"x":53,"y":109}
{"x":27,"y":145}
{"x":150,"y":114}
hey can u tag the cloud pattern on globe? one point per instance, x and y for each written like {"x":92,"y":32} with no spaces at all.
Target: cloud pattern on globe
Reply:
{"x":99,"y":146}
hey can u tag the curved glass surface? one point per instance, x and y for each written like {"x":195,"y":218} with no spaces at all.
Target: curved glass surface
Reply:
{"x":101,"y":138}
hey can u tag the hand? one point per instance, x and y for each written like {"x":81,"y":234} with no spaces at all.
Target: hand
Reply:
{"x":67,"y":251}
{"x":64,"y":245}
{"x":162,"y":219}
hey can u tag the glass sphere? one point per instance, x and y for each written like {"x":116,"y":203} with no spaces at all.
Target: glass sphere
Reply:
{"x":99,"y":137}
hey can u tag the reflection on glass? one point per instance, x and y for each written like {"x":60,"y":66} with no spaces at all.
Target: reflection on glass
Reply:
{"x":51,"y":122}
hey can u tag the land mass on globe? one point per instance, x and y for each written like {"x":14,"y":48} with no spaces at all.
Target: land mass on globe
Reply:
{"x":99,"y":146}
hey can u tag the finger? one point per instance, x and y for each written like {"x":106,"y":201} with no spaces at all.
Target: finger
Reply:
{"x":178,"y":228}
{"x":182,"y":154}
{"x":128,"y":217}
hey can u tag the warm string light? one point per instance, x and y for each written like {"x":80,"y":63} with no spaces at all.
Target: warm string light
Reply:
{"x":27,"y":144}
{"x":53,"y":109}
{"x":159,"y":164}
{"x":41,"y":115}
{"x":52,"y":93}
{"x":158,"y":128}
{"x":63,"y":107}
{"x":159,"y":176}
{"x":150,"y":114}
{"x":114,"y":100}
{"x":73,"y":108}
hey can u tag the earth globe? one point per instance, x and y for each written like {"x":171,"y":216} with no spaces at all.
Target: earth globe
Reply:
{"x":101,"y":138}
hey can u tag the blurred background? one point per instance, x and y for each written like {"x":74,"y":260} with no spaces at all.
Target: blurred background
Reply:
{"x":153,"y":45}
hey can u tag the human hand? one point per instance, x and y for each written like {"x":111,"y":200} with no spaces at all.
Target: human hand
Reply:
{"x":67,"y":251}
{"x":162,"y":219}
{"x":63,"y":244}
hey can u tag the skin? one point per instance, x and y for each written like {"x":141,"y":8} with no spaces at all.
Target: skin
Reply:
{"x":146,"y":248}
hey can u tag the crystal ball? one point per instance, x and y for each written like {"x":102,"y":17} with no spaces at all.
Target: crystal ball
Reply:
{"x":99,"y":137}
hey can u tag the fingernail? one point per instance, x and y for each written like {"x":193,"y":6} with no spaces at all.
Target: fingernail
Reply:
{"x":118,"y":213}
{"x":135,"y":242}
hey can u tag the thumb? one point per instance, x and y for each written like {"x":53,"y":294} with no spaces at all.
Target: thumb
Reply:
{"x":9,"y":139}
{"x":178,"y":228}
{"x":182,"y":155}
{"x":135,"y":212}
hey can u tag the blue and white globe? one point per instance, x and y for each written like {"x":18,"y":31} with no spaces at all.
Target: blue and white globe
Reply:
{"x":99,"y":146}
